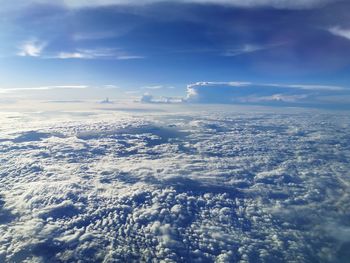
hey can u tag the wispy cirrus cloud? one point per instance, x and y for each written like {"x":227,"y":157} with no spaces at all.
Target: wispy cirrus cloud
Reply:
{"x":245,"y":49}
{"x":35,"y":48}
{"x":340,"y":32}
{"x":281,"y":4}
{"x":157,"y":87}
{"x":11,"y":90}
{"x":308,"y":86}
{"x":104,"y":53}
{"x":250,"y":48}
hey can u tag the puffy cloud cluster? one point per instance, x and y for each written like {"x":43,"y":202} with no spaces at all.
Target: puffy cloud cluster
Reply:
{"x":222,"y":187}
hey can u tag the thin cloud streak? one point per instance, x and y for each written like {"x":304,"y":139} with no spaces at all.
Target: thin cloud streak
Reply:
{"x":96,"y":54}
{"x":44,"y":88}
{"x":281,"y":4}
{"x":340,"y":32}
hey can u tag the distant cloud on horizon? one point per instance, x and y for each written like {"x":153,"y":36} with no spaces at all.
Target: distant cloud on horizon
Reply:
{"x":269,"y":94}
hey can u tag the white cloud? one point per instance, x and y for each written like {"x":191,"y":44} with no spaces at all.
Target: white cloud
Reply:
{"x":281,"y":4}
{"x":70,"y":55}
{"x":104,"y":53}
{"x":339,"y":31}
{"x":157,"y":87}
{"x":248,"y":48}
{"x":44,"y":88}
{"x":214,"y":185}
{"x":31,"y":48}
{"x":296,"y":4}
{"x":242,"y":92}
{"x":127,"y":57}
{"x":309,"y":87}
{"x":211,"y":83}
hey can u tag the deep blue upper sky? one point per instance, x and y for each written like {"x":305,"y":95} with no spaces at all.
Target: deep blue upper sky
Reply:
{"x":129,"y":44}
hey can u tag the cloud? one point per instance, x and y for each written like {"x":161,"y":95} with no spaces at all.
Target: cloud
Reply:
{"x":309,"y":87}
{"x":283,"y":4}
{"x":246,"y":92}
{"x":70,"y":55}
{"x":128,"y":57}
{"x":31,"y":48}
{"x":97,"y":54}
{"x":44,"y":88}
{"x":157,"y":87}
{"x":245,"y":49}
{"x":280,"y":4}
{"x":216,"y":185}
{"x":339,"y":31}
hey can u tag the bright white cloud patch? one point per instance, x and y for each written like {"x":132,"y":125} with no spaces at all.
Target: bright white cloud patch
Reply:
{"x":97,"y":54}
{"x":339,"y":31}
{"x":31,"y":48}
{"x":13,"y":90}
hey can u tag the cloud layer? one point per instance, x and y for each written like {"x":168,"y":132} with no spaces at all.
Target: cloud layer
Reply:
{"x":225,"y":186}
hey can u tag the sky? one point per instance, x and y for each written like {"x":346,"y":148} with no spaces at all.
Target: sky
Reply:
{"x":161,"y":47}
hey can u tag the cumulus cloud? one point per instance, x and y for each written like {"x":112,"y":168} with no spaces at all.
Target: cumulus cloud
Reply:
{"x":31,"y":48}
{"x":243,"y":92}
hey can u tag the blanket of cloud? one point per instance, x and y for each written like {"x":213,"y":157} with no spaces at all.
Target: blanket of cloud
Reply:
{"x":224,"y":184}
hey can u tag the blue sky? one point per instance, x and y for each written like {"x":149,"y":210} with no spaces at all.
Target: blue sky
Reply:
{"x":135,"y":44}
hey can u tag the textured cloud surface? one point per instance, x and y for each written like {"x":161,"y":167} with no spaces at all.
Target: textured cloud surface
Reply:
{"x":221,"y":186}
